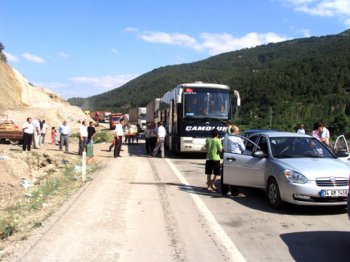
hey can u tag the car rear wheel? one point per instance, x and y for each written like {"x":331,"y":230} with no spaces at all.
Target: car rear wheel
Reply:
{"x":273,"y":194}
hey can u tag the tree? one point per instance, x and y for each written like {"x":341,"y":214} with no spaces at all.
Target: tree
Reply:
{"x":2,"y":55}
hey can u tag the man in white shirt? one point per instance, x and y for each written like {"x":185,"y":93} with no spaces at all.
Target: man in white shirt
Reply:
{"x":301,"y":129}
{"x":160,"y":140}
{"x":64,"y":131}
{"x":83,"y":134}
{"x":325,"y":134}
{"x":234,"y":144}
{"x":118,"y":135}
{"x":28,"y":131}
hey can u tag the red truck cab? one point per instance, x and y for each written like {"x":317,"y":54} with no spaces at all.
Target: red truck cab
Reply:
{"x":114,"y":118}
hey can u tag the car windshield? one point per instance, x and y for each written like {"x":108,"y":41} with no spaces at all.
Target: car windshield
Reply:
{"x":206,"y":102}
{"x":298,"y":147}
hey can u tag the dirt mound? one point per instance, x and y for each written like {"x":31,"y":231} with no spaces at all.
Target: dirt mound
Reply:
{"x":19,"y":99}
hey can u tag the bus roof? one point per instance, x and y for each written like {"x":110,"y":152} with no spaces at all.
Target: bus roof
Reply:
{"x":205,"y":85}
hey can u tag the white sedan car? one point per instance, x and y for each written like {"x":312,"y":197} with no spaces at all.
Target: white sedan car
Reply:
{"x":291,"y":167}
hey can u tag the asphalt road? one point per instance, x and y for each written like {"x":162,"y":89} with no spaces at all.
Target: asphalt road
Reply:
{"x":141,"y":208}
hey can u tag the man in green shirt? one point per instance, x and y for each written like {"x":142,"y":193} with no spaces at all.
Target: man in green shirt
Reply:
{"x":212,"y":164}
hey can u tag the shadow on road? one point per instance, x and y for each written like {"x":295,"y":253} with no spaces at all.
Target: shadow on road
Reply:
{"x":318,"y":245}
{"x":182,"y":187}
{"x":256,"y":199}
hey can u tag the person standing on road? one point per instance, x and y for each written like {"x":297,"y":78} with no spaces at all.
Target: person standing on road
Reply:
{"x":43,"y":127}
{"x":64,"y":131}
{"x":317,"y":132}
{"x":234,"y":144}
{"x":53,"y":135}
{"x":28,"y":131}
{"x":118,"y":135}
{"x":91,"y":133}
{"x":36,"y":135}
{"x":147,"y":134}
{"x":83,"y":134}
{"x":212,"y":164}
{"x":161,"y":133}
{"x":325,"y":135}
{"x":154,"y":135}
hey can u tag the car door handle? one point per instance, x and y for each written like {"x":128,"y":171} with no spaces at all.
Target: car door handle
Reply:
{"x":230,"y":159}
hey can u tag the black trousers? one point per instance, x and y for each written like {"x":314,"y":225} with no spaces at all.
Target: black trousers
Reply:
{"x":82,"y":143}
{"x":153,"y":143}
{"x":148,"y":145}
{"x":27,"y":141}
{"x":118,"y":146}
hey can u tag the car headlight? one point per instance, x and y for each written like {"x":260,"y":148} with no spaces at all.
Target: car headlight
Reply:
{"x":295,"y":177}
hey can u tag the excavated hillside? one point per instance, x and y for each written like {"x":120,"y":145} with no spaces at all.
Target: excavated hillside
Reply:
{"x":19,"y":100}
{"x":10,"y":89}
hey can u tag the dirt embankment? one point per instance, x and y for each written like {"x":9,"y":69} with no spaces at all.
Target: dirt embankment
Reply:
{"x":20,"y":99}
{"x":29,"y":179}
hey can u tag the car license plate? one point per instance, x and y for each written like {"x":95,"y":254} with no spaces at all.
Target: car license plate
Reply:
{"x":334,"y":193}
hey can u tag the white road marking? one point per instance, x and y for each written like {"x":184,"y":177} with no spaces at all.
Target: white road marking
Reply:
{"x":226,"y":242}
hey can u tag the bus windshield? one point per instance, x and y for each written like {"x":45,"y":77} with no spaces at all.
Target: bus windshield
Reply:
{"x":206,"y":102}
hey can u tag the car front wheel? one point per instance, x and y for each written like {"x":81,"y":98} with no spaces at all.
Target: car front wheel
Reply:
{"x":273,"y":194}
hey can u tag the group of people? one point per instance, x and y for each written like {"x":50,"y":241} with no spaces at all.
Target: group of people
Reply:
{"x":214,"y":146}
{"x":86,"y":136}
{"x":320,"y":131}
{"x":155,"y":137}
{"x":34,"y":133}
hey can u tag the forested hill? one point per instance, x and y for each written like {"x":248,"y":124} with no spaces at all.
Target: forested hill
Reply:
{"x":296,"y":80}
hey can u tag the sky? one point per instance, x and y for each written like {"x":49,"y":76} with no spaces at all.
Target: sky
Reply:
{"x":80,"y":48}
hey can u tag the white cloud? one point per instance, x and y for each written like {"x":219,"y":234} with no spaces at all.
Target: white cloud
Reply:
{"x":347,"y":22}
{"x":105,"y":82}
{"x":131,"y":29}
{"x":326,"y":8}
{"x":63,"y":55}
{"x":114,"y":50}
{"x":11,"y":58}
{"x":33,"y":58}
{"x":211,"y":43}
{"x":171,"y":39}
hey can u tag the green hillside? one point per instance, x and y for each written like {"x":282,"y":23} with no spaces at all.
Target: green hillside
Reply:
{"x":301,"y":80}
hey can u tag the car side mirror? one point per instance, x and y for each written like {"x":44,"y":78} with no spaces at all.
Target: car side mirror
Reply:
{"x":342,"y":154}
{"x":259,"y":153}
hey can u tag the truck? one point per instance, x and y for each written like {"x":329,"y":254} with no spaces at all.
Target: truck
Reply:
{"x":106,"y":116}
{"x":152,"y":110}
{"x":10,"y":132}
{"x":114,"y":118}
{"x":100,"y":116}
{"x":137,"y":115}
